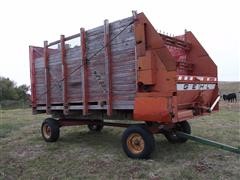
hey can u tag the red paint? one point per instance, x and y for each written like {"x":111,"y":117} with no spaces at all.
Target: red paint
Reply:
{"x":47,"y":77}
{"x":64,"y":74}
{"x":108,"y":65}
{"x":84,"y":72}
{"x":163,"y":62}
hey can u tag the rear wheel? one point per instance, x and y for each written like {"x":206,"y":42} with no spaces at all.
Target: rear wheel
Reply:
{"x":50,"y":130}
{"x":184,"y":127}
{"x":138,"y":142}
{"x":95,"y":127}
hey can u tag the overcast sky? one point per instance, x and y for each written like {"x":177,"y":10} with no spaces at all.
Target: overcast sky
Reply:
{"x":30,"y":22}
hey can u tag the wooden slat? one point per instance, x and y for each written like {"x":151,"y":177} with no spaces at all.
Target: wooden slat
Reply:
{"x":64,"y":75}
{"x":72,"y":37}
{"x":91,"y":82}
{"x":94,"y":107}
{"x":47,"y":78}
{"x":84,"y":72}
{"x":39,"y":63}
{"x":53,"y":43}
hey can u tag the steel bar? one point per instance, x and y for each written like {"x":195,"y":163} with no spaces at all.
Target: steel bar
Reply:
{"x":209,"y":142}
{"x":215,"y":103}
{"x":75,"y":122}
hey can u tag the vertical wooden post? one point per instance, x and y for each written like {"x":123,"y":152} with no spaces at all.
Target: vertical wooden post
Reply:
{"x":64,"y":75}
{"x":108,"y":66}
{"x":33,"y":78}
{"x":47,"y":78}
{"x":84,"y":72}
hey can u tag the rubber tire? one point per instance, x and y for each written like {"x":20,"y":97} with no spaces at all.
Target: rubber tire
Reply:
{"x":55,"y":130}
{"x":95,"y":127}
{"x":148,"y":141}
{"x":183,"y":126}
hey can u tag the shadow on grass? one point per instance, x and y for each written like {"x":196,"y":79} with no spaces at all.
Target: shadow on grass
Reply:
{"x":105,"y":140}
{"x":109,"y":141}
{"x":165,"y":151}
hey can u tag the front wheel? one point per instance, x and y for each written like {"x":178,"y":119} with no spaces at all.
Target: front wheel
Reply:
{"x":138,"y":142}
{"x":171,"y":135}
{"x":50,"y":130}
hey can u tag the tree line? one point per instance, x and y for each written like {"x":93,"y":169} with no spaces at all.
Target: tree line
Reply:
{"x":9,"y":91}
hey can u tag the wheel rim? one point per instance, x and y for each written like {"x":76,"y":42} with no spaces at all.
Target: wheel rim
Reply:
{"x":135,"y":143}
{"x":46,"y":131}
{"x":94,"y":127}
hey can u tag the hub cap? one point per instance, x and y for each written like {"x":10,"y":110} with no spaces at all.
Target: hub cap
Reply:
{"x":46,"y":131}
{"x":135,"y":143}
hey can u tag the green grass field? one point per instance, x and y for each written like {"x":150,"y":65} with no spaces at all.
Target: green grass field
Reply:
{"x":80,"y":154}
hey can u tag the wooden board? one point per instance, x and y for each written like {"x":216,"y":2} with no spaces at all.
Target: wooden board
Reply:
{"x":123,"y":69}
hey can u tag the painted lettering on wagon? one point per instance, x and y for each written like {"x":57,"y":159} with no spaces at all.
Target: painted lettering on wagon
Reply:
{"x":187,"y":86}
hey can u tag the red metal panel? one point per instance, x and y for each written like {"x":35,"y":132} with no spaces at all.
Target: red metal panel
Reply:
{"x":108,"y":66}
{"x":203,"y":64}
{"x":64,"y":74}
{"x":84,"y":72}
{"x":152,"y":108}
{"x":47,"y":78}
{"x":33,"y":77}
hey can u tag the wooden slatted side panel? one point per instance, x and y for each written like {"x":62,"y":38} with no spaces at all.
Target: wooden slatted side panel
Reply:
{"x":96,"y":65}
{"x":73,"y":61}
{"x":73,"y":58}
{"x":123,"y":66}
{"x":55,"y":66}
{"x":123,"y":69}
{"x":34,"y":53}
{"x":123,"y":57}
{"x":41,"y":89}
{"x":40,"y":80}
